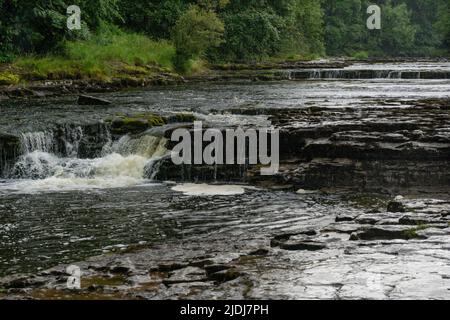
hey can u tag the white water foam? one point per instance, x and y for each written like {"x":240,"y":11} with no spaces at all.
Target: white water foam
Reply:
{"x":192,"y":189}
{"x":124,"y":166}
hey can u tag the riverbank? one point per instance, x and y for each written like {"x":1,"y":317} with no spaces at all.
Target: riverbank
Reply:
{"x":131,"y":76}
{"x":124,"y":76}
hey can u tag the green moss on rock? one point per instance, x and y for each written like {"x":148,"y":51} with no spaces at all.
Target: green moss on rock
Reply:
{"x":122,"y":124}
{"x":8,"y":78}
{"x":103,"y":281}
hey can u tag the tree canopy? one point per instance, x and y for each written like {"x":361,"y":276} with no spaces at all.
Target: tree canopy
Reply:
{"x":237,"y":30}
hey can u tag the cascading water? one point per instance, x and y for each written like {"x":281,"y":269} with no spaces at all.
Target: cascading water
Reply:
{"x":124,"y":162}
{"x":70,"y":140}
{"x":356,"y":74}
{"x":37,"y":141}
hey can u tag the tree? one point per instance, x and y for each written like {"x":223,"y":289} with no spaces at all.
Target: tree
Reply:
{"x":305,"y":27}
{"x":250,"y":35}
{"x":39,"y":26}
{"x":195,"y":32}
{"x":345,"y":30}
{"x":398,"y":33}
{"x":442,"y":26}
{"x":155,"y":18}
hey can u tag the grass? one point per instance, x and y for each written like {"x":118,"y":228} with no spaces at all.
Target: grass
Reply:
{"x":360,"y":55}
{"x":412,"y":233}
{"x":101,"y":57}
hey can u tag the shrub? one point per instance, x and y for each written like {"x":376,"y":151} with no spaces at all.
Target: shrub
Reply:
{"x":360,"y":55}
{"x":250,"y":35}
{"x":195,"y":32}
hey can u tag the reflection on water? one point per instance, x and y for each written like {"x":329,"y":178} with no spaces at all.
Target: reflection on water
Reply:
{"x":44,"y":229}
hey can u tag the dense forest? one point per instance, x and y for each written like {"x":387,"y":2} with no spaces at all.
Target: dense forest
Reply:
{"x":225,"y":30}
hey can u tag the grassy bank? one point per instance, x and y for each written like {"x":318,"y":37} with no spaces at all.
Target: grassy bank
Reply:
{"x":102,"y":57}
{"x":99,"y":58}
{"x":108,"y":55}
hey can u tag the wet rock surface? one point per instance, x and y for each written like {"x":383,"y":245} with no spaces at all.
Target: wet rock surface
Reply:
{"x":10,"y":148}
{"x":336,"y":260}
{"x":406,"y":145}
{"x":309,"y":234}
{"x":92,"y":101}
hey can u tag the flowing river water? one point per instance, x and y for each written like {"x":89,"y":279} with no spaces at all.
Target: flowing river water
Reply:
{"x":57,"y":206}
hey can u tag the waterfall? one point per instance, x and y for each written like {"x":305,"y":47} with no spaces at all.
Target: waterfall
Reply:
{"x":382,"y":74}
{"x":315,"y":74}
{"x":324,"y":74}
{"x":145,"y":145}
{"x":394,"y":75}
{"x":284,"y":74}
{"x":125,"y":162}
{"x":153,"y":167}
{"x":35,"y":165}
{"x":333,"y":74}
{"x":64,"y":140}
{"x":70,"y":137}
{"x":37,"y":141}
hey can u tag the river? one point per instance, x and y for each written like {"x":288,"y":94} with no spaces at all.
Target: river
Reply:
{"x":59,"y":204}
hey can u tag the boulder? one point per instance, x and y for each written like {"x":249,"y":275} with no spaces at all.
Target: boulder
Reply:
{"x":302,"y":245}
{"x":419,"y":220}
{"x":344,"y":218}
{"x":386,"y":233}
{"x":395,"y":206}
{"x":85,"y":100}
{"x":10,"y":147}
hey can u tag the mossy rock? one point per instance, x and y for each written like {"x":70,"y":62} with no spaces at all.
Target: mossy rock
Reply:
{"x":182,"y":117}
{"x":155,"y":120}
{"x":103,"y":281}
{"x":134,"y":70}
{"x":66,"y":294}
{"x":135,"y":123}
{"x":130,"y":81}
{"x":128,"y":125}
{"x":8,"y":78}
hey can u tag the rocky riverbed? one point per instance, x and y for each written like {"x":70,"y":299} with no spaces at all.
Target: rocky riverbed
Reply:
{"x":361,"y":249}
{"x":359,"y":210}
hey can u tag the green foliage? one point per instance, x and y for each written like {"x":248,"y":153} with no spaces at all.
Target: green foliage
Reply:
{"x":219,"y":30}
{"x":250,"y":35}
{"x":40,"y":25}
{"x":7,"y":78}
{"x":409,"y":27}
{"x":304,"y":31}
{"x":360,"y":55}
{"x":195,"y":32}
{"x":397,"y":34}
{"x":104,"y":55}
{"x":442,"y":25}
{"x":154,"y":17}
